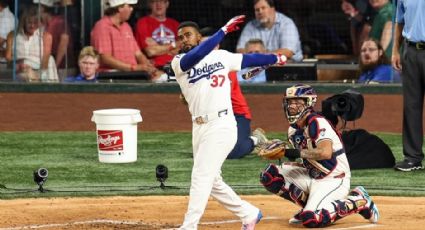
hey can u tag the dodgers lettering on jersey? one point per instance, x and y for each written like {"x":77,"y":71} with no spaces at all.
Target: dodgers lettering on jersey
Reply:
{"x":206,"y":86}
{"x":319,"y":129}
{"x":196,"y":74}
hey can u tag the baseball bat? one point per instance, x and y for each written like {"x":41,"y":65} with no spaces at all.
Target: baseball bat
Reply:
{"x":254,"y":72}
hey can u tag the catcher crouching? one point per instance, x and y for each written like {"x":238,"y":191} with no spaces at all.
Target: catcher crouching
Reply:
{"x":320,"y":184}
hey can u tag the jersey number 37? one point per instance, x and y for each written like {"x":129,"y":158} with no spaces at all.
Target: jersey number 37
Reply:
{"x":217,"y":80}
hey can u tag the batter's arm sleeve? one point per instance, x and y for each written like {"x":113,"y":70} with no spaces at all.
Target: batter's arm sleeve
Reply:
{"x":204,"y":48}
{"x":249,"y":60}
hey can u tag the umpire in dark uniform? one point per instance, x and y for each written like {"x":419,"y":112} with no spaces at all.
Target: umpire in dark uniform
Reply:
{"x":410,"y":32}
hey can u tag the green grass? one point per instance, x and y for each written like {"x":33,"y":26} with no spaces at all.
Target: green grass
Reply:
{"x":74,"y":169}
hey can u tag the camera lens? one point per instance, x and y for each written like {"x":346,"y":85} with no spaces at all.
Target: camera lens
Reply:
{"x":161,"y":172}
{"x":342,"y":103}
{"x":43,"y":172}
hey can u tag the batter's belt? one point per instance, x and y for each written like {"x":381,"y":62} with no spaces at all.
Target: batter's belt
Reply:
{"x":209,"y":117}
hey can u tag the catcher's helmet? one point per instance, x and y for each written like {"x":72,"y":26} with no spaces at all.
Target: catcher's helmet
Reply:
{"x":304,"y":92}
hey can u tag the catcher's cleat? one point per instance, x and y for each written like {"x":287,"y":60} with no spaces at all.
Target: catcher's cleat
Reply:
{"x":251,"y":225}
{"x":296,"y":219}
{"x":260,"y":134}
{"x":370,"y":210}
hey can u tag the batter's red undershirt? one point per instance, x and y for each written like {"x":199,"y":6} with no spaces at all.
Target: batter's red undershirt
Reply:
{"x":239,"y":104}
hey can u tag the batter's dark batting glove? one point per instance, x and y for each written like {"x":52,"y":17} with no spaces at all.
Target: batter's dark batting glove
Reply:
{"x":233,"y":24}
{"x":281,"y":59}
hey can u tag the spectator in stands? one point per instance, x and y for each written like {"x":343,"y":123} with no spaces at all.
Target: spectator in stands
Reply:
{"x":360,"y":14}
{"x":33,"y":49}
{"x":156,"y":33}
{"x":374,"y":64}
{"x":56,"y":25}
{"x":7,"y":22}
{"x":382,"y":24}
{"x":254,"y":45}
{"x":278,"y":32}
{"x":113,"y":38}
{"x":88,"y":61}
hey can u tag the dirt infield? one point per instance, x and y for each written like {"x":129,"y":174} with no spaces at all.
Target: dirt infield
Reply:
{"x":166,"y":212}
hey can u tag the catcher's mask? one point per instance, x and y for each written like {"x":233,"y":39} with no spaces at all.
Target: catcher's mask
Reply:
{"x":299,"y":91}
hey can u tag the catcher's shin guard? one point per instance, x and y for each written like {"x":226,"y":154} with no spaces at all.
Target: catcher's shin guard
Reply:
{"x":295,"y":195}
{"x":346,"y":207}
{"x":320,"y":218}
{"x":353,"y":204}
{"x":274,"y":182}
{"x":368,"y":210}
{"x":271,"y":179}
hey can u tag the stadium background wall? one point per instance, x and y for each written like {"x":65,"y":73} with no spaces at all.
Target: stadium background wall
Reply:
{"x":68,"y":107}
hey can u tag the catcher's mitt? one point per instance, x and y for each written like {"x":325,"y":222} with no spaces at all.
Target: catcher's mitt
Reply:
{"x":273,"y":150}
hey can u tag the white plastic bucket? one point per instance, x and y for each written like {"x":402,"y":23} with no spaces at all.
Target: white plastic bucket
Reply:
{"x":117,"y":134}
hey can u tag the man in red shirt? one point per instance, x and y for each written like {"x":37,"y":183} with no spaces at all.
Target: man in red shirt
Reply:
{"x":113,"y":38}
{"x":156,"y":33}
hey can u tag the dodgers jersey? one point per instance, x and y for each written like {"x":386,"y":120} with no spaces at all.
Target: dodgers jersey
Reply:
{"x":206,"y":86}
{"x":319,"y":129}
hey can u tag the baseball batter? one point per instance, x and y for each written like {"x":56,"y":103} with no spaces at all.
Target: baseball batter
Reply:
{"x":321,"y":183}
{"x":202,"y":74}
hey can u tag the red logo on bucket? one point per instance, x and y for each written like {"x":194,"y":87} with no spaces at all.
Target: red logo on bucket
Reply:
{"x":110,"y":140}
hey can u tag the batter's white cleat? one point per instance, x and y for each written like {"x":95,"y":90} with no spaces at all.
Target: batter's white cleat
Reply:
{"x":370,"y":210}
{"x":260,"y":134}
{"x":296,"y":218}
{"x":251,"y":224}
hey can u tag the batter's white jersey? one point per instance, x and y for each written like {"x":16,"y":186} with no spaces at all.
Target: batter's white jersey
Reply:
{"x":206,"y":86}
{"x":317,"y":130}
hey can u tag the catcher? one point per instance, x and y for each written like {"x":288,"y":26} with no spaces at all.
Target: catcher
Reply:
{"x":320,"y":184}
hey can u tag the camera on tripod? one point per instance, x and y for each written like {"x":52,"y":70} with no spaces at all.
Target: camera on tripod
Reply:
{"x":347,"y":105}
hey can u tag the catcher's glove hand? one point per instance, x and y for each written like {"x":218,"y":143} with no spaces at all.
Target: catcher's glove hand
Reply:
{"x":273,"y":150}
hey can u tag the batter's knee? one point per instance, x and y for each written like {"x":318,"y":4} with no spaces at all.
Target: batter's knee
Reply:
{"x":318,"y":219}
